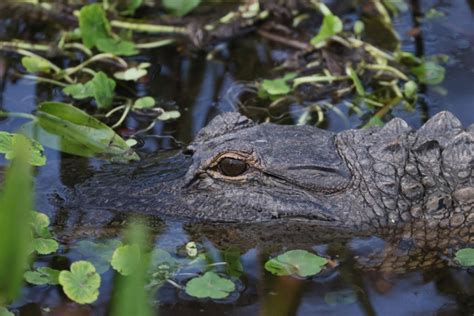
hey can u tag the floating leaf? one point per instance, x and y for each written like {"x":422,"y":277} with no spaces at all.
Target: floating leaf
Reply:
{"x":133,"y":74}
{"x":93,"y":24}
{"x":35,"y":149}
{"x":45,"y":246}
{"x":169,"y":115}
{"x":210,"y":285}
{"x":429,"y":73}
{"x":103,"y":88}
{"x":36,"y":64}
{"x":296,"y":262}
{"x":144,"y":103}
{"x":82,"y":283}
{"x":465,"y":257}
{"x":116,"y":46}
{"x":42,"y":276}
{"x":99,"y":254}
{"x":40,"y":223}
{"x":180,"y":7}
{"x":5,"y":312}
{"x":126,"y":259}
{"x":331,"y":26}
{"x":66,"y":128}
{"x":79,"y":91}
{"x":278,"y":86}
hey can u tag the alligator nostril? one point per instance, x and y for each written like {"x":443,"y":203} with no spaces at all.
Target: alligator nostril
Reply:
{"x":188,"y":152}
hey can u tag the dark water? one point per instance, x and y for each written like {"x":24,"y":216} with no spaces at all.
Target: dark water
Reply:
{"x":200,"y":89}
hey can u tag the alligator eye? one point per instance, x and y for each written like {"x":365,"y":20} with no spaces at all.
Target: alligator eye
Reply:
{"x":232,"y":167}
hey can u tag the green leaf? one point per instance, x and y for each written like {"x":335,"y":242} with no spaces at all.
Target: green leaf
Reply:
{"x":5,"y":312}
{"x":36,"y":64}
{"x":180,"y":7}
{"x":355,"y":79}
{"x":116,"y":46}
{"x":42,"y":276}
{"x":144,"y":103}
{"x":35,"y":149}
{"x":210,"y":285}
{"x":16,"y":201}
{"x":296,"y":262}
{"x":429,"y":73}
{"x":79,"y":91}
{"x":45,"y":246}
{"x":99,"y":254}
{"x":93,"y":24}
{"x":132,"y":74}
{"x":277,"y":86}
{"x":465,"y":257}
{"x":82,"y":283}
{"x":232,"y":257}
{"x":410,"y":88}
{"x":331,"y":26}
{"x":374,"y":121}
{"x":126,"y":259}
{"x":132,"y":5}
{"x":66,"y":128}
{"x":169,"y":115}
{"x":103,"y":88}
{"x":40,"y":223}
{"x":359,"y":27}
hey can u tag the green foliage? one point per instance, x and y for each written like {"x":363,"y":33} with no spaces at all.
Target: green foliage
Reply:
{"x":355,"y":79}
{"x":45,"y":246}
{"x":410,"y":88}
{"x":180,"y":7}
{"x":103,"y":89}
{"x":116,"y":46}
{"x":144,"y":103}
{"x":210,"y":285}
{"x":126,"y":259}
{"x":5,"y":312}
{"x":63,"y":127}
{"x":16,"y":201}
{"x":374,"y":121}
{"x":39,"y":224}
{"x":233,"y":267}
{"x":429,"y":73}
{"x":296,"y":262}
{"x":42,"y":276}
{"x":131,"y":6}
{"x":79,"y":91}
{"x":81,"y":284}
{"x":35,"y":150}
{"x":331,"y":26}
{"x":93,"y":24}
{"x":130,"y":296}
{"x":277,"y":86}
{"x":132,"y":74}
{"x":99,"y":254}
{"x":169,"y":115}
{"x":36,"y":64}
{"x":465,"y":257}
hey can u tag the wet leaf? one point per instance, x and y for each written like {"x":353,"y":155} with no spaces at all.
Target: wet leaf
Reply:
{"x":144,"y":103}
{"x":126,"y":259}
{"x":132,"y":74}
{"x":331,"y":26}
{"x":410,"y":88}
{"x":278,"y":86}
{"x":465,"y":257}
{"x":5,"y":312}
{"x":45,"y":246}
{"x":210,"y":285}
{"x":42,"y":276}
{"x":40,"y":223}
{"x":35,"y":64}
{"x":99,"y":254}
{"x":429,"y":73}
{"x":81,"y":284}
{"x":296,"y":262}
{"x":93,"y":24}
{"x":35,"y":149}
{"x":103,"y":88}
{"x":180,"y":7}
{"x":116,"y":46}
{"x":79,"y":91}
{"x":169,"y":115}
{"x":63,"y":127}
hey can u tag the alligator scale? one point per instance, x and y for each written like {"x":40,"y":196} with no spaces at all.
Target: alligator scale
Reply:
{"x":389,"y":180}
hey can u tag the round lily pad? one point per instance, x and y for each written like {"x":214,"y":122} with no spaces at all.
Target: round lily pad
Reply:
{"x":126,"y":259}
{"x":465,"y":257}
{"x":296,"y":262}
{"x":82,"y":283}
{"x":210,"y":285}
{"x":42,"y":276}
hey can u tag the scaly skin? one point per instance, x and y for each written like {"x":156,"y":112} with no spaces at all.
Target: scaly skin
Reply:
{"x":417,"y":186}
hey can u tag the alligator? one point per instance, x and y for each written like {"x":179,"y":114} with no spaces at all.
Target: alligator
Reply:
{"x":389,"y":181}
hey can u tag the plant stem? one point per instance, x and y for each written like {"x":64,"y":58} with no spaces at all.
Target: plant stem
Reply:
{"x":18,"y":115}
{"x":149,"y":28}
{"x":156,"y":44}
{"x":15,"y":45}
{"x":46,"y":80}
{"x":70,"y":71}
